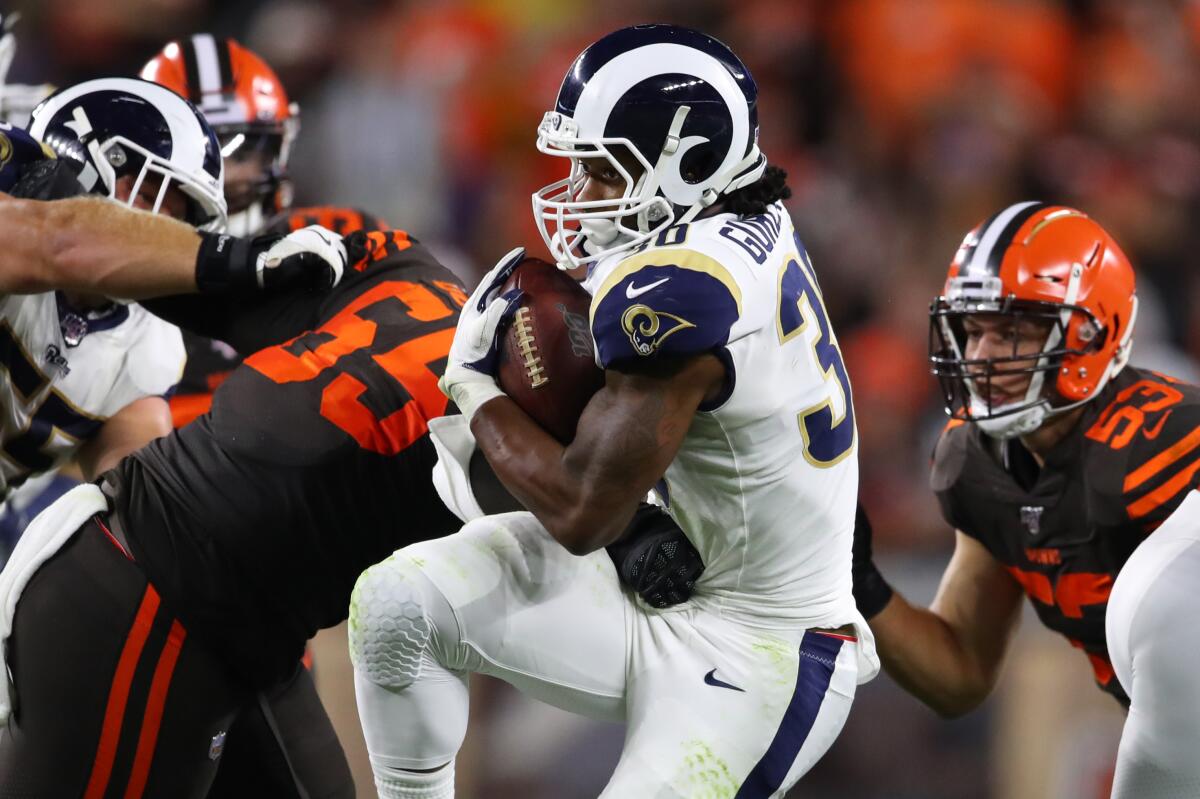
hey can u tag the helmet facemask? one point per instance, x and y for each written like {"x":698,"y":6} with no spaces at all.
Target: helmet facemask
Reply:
{"x":256,"y":183}
{"x":117,"y":156}
{"x":968,"y":385}
{"x":579,"y":232}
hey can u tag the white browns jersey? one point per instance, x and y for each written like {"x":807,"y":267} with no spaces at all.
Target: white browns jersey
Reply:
{"x":766,"y":480}
{"x":54,"y":397}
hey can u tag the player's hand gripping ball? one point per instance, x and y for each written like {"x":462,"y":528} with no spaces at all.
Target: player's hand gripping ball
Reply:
{"x":547,"y":361}
{"x":470,"y":376}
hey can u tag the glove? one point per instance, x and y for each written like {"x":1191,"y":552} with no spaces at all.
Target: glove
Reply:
{"x":50,"y":179}
{"x":311,"y":258}
{"x":470,"y":376}
{"x":871,"y":591}
{"x":656,"y":559}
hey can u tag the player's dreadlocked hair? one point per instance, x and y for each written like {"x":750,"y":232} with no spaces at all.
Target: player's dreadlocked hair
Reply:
{"x":753,"y":200}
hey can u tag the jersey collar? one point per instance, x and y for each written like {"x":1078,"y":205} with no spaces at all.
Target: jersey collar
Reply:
{"x":75,"y":323}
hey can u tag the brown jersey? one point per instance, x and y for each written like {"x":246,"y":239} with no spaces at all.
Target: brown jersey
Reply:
{"x":210,"y":361}
{"x":1065,"y":530}
{"x":255,"y":520}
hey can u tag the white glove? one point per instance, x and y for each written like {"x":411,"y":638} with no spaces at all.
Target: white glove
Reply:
{"x":294,"y":254}
{"x":470,"y":377}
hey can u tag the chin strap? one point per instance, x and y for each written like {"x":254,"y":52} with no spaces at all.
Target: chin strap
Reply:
{"x":1016,"y":424}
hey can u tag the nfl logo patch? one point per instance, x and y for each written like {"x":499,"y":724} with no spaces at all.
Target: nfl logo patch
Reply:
{"x":1031,"y":517}
{"x":74,"y":327}
{"x":217,"y":746}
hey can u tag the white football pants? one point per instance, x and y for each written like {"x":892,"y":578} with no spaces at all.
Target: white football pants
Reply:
{"x":713,"y":707}
{"x":1153,"y":630}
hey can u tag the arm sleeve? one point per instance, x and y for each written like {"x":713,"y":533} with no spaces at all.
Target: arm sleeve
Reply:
{"x":681,"y":303}
{"x":245,"y":323}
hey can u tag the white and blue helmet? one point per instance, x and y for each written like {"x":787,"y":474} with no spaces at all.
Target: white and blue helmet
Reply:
{"x":681,"y":103}
{"x":119,"y":126}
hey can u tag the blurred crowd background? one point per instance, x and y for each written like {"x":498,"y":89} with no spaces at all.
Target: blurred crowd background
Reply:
{"x":901,"y":123}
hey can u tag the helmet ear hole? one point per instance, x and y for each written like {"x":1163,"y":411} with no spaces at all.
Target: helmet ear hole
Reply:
{"x":698,"y":164}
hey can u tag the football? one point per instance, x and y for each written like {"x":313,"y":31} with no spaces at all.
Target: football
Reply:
{"x":547,"y":363}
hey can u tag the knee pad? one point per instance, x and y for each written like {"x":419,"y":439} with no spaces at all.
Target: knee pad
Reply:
{"x":389,"y":628}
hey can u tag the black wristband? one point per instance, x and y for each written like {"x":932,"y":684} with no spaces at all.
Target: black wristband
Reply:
{"x":225,"y":263}
{"x":871,"y":592}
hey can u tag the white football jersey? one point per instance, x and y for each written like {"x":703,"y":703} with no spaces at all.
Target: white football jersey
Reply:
{"x":765,"y":483}
{"x":54,"y":397}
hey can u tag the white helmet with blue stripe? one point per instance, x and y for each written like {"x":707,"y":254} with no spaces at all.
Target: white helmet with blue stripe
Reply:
{"x":120,"y":126}
{"x":681,"y":104}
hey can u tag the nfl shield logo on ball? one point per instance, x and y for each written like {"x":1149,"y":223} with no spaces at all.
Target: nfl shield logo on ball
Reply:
{"x":1031,"y":517}
{"x":217,"y":746}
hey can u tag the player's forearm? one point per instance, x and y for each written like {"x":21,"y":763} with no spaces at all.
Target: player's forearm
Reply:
{"x":95,"y":246}
{"x":926,"y":656}
{"x":548,"y":479}
{"x":121,"y":252}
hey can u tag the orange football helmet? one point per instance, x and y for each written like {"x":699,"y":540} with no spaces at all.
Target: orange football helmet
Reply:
{"x":1047,"y":263}
{"x":244,"y":102}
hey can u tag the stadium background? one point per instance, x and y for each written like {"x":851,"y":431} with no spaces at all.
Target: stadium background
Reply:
{"x":901,"y":124}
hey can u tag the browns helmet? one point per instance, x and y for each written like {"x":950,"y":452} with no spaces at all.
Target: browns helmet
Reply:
{"x":1050,"y":264}
{"x":243,"y":100}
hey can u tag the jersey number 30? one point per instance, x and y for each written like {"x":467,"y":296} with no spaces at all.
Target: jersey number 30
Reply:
{"x":828,"y":426}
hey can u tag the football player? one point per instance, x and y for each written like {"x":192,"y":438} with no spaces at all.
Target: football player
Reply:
{"x":1069,"y":477}
{"x":256,"y":124}
{"x":142,"y":144}
{"x":85,"y":377}
{"x":139,"y":620}
{"x":725,"y":392}
{"x":241,"y":97}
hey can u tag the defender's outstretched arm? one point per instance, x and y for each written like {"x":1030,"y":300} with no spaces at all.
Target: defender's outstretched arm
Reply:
{"x":949,"y":655}
{"x":92,"y":245}
{"x":89,"y":244}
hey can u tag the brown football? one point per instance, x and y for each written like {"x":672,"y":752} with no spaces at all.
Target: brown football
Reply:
{"x":547,"y":364}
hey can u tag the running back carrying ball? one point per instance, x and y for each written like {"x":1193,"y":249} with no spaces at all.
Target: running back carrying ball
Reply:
{"x":547,"y":364}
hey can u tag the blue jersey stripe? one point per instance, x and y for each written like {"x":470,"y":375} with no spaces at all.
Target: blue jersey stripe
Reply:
{"x":818,"y":658}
